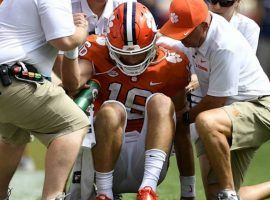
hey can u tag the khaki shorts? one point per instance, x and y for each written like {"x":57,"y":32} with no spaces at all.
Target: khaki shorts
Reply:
{"x":251,"y":128}
{"x":42,"y":110}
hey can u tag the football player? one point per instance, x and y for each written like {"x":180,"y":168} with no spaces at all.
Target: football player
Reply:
{"x":142,"y":86}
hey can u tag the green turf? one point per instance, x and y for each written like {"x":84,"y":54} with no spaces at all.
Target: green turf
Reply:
{"x":169,"y":189}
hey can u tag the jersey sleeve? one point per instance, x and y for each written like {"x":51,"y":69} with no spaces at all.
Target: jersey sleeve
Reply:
{"x":96,"y":51}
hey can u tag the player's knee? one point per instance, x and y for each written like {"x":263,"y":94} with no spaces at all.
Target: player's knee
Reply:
{"x":160,"y":104}
{"x":111,"y":114}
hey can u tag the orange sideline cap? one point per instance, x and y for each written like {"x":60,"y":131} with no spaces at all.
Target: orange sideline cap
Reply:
{"x":185,"y":16}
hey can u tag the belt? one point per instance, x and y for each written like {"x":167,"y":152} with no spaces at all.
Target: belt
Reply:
{"x":22,"y":72}
{"x":48,"y":78}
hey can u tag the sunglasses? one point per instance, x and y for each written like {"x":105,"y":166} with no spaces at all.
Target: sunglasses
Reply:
{"x":222,"y":3}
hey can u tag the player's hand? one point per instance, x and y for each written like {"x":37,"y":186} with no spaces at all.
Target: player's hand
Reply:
{"x":193,"y":84}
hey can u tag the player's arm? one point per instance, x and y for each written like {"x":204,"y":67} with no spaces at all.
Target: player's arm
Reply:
{"x":180,"y":102}
{"x":75,"y":73}
{"x":183,"y":149}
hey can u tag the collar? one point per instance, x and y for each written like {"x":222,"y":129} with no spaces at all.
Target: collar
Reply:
{"x":106,"y":12}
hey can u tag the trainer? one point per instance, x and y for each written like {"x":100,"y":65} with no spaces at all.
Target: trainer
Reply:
{"x":229,"y":74}
{"x":31,"y":33}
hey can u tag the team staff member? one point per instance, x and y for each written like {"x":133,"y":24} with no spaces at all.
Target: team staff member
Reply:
{"x":31,"y":32}
{"x":228,"y":71}
{"x":229,"y":10}
{"x":250,"y":30}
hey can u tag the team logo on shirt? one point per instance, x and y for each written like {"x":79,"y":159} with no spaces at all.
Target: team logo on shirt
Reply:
{"x":174,"y":18}
{"x":174,"y":58}
{"x":202,"y":68}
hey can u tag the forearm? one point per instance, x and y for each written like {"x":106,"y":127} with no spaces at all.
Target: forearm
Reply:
{"x":70,"y":74}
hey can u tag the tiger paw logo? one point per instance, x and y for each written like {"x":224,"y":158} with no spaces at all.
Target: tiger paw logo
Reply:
{"x":150,"y":21}
{"x":174,"y":58}
{"x":174,"y":18}
{"x":110,"y":23}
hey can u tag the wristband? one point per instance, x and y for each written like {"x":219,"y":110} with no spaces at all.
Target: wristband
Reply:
{"x":188,"y":186}
{"x":186,"y":118}
{"x":72,"y":54}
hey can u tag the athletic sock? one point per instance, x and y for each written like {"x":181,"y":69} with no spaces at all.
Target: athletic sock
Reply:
{"x":104,"y":183}
{"x":154,"y":160}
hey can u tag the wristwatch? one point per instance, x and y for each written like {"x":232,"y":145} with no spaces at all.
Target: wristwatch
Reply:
{"x":186,"y":118}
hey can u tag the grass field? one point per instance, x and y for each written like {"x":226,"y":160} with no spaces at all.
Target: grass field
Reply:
{"x":27,"y":186}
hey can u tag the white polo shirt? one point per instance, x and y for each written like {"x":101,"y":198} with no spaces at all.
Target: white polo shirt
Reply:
{"x":96,"y":25}
{"x":249,"y":29}
{"x":226,"y":65}
{"x":26,"y":26}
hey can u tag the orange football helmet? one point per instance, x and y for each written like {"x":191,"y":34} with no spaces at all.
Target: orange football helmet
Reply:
{"x":131,"y":31}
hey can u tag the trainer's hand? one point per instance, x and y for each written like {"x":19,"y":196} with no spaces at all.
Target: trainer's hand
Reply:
{"x":193,"y":84}
{"x":80,"y":20}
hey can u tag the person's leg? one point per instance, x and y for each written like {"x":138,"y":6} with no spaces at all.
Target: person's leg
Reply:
{"x":160,"y":133}
{"x":210,"y":189}
{"x":10,"y":156}
{"x":214,"y":127}
{"x":53,"y":118}
{"x":59,"y":163}
{"x":185,"y":161}
{"x":255,"y":192}
{"x":109,"y":127}
{"x":250,"y":130}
